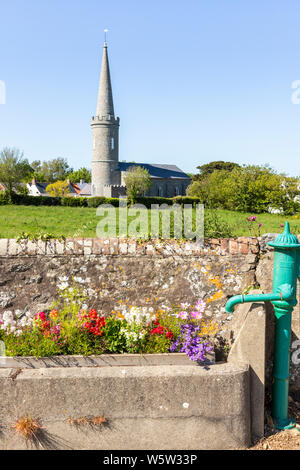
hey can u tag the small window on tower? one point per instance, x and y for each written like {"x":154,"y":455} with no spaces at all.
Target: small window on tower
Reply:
{"x":112,"y":143}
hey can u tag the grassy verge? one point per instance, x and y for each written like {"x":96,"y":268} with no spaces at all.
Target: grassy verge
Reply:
{"x":82,"y":222}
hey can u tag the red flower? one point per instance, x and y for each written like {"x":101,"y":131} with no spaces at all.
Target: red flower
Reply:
{"x":96,"y":323}
{"x":40,"y":316}
{"x":160,"y":330}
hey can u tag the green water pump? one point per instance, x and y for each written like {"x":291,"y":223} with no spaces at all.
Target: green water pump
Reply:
{"x":286,"y":271}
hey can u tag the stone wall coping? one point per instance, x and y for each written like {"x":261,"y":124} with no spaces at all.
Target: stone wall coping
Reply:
{"x":127,"y":246}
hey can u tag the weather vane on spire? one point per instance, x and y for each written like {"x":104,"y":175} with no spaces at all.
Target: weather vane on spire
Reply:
{"x":105,"y":33}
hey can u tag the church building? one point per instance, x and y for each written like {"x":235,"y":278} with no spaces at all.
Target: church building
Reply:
{"x":107,"y":172}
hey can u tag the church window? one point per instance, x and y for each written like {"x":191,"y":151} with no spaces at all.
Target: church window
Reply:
{"x":112,"y":143}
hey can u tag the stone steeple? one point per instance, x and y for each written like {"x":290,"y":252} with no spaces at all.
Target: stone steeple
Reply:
{"x":105,"y":105}
{"x":105,"y":132}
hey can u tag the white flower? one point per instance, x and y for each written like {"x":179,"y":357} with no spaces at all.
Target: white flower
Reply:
{"x":23,"y":322}
{"x":63,"y":285}
{"x":185,"y":306}
{"x":79,"y":279}
{"x":7,"y":316}
{"x":166,"y":308}
{"x":63,"y":279}
{"x":84,"y":307}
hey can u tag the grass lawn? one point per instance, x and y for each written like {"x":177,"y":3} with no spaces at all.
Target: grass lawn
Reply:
{"x":82,"y":222}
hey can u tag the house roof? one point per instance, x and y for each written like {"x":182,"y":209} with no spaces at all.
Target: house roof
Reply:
{"x":157,"y":171}
{"x":3,"y":186}
{"x":74,"y":188}
{"x":86,"y":190}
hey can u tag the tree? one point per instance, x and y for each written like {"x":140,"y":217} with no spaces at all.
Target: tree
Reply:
{"x":247,"y":188}
{"x":81,"y":174}
{"x":209,"y":168}
{"x":58,"y":189}
{"x":137,"y":181}
{"x":14,"y":168}
{"x":50,"y":171}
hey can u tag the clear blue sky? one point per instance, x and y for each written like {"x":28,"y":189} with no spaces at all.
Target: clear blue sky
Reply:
{"x":193,"y":81}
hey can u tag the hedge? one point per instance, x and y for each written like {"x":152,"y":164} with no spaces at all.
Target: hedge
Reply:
{"x":25,"y":200}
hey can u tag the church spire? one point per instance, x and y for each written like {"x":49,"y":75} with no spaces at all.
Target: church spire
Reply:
{"x":105,"y":105}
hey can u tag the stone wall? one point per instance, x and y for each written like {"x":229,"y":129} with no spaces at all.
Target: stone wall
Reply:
{"x":113,"y":271}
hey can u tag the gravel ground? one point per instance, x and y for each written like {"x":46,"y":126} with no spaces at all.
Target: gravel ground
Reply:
{"x":281,"y":440}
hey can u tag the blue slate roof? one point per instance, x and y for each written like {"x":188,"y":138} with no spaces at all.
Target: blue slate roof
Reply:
{"x":157,"y":171}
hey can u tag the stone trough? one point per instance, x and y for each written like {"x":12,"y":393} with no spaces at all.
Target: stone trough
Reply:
{"x":149,"y":402}
{"x":157,"y":401}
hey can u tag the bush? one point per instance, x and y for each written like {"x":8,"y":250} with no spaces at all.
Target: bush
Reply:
{"x":148,"y":200}
{"x":4,"y":199}
{"x":74,"y":201}
{"x":99,"y":200}
{"x":25,"y":200}
{"x":249,"y":188}
{"x":187,"y":200}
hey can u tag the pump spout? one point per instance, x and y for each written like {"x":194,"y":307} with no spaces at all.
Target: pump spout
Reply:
{"x":285,"y":293}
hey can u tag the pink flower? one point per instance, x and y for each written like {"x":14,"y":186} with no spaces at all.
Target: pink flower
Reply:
{"x":200,"y":306}
{"x":196,"y":315}
{"x":183,"y":315}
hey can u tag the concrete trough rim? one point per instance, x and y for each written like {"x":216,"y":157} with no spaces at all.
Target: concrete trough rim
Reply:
{"x":101,"y":360}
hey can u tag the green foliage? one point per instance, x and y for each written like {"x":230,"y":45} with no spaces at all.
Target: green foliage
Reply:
{"x":74,"y":201}
{"x":39,"y":236}
{"x":81,"y":174}
{"x":216,"y":227}
{"x":51,"y":171}
{"x":249,"y":188}
{"x":68,"y":306}
{"x":147,"y":201}
{"x":97,"y":201}
{"x":30,"y":343}
{"x":23,"y":190}
{"x":137,"y":181}
{"x":157,"y":344}
{"x":13,"y":169}
{"x":209,"y":168}
{"x":115,"y":341}
{"x":4,"y":198}
{"x":83,"y":343}
{"x":26,"y":200}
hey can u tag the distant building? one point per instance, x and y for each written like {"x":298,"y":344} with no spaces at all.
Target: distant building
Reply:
{"x":39,"y":189}
{"x":107,"y":172}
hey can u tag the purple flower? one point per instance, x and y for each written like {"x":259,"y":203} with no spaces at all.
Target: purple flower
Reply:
{"x":190,"y":343}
